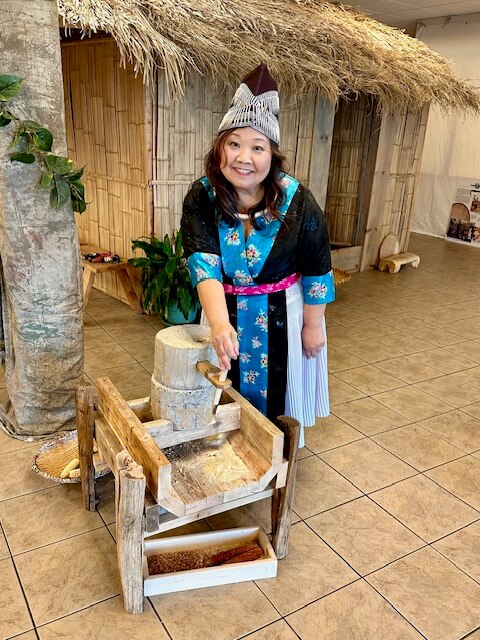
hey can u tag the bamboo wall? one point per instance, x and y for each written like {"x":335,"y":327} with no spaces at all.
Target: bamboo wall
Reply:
{"x":185,"y":130}
{"x":106,"y":131}
{"x":398,"y":162}
{"x":346,"y":169}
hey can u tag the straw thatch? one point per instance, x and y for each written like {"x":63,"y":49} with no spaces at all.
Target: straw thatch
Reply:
{"x":307,"y":44}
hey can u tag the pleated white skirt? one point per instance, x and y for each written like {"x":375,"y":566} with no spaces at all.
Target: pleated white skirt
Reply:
{"x":307,"y":378}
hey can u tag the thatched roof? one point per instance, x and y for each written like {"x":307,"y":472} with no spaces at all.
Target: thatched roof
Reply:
{"x":307,"y":44}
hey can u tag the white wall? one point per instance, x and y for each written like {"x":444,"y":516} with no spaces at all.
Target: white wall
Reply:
{"x":451,"y":157}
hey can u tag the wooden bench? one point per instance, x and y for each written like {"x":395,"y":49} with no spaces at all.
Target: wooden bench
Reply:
{"x":90,"y":270}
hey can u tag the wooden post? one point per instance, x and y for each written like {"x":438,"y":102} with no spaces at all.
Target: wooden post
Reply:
{"x":282,"y":499}
{"x":130,"y":500}
{"x":84,"y":399}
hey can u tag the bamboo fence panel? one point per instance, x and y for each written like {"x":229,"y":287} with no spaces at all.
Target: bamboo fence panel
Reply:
{"x":106,"y":132}
{"x":345,"y":173}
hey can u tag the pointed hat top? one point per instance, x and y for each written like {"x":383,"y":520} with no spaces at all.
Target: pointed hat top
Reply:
{"x":255,"y":104}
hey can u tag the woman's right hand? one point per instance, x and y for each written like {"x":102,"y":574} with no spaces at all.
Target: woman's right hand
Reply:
{"x":225,"y":342}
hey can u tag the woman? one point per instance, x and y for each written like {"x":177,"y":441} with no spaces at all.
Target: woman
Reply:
{"x":258,"y":252}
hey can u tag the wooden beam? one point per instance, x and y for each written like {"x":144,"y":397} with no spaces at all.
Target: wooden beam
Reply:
{"x":130,"y":498}
{"x":84,"y":407}
{"x":130,"y":431}
{"x":321,"y":149}
{"x":282,"y":499}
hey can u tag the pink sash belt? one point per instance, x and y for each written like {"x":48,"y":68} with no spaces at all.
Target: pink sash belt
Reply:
{"x":258,"y":289}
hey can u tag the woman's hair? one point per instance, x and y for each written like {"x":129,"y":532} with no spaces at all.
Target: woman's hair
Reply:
{"x":225,"y":196}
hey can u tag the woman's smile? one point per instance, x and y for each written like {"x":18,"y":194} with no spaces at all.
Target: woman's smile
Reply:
{"x":247,"y":159}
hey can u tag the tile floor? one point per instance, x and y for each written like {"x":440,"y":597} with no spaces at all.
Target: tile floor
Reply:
{"x":386,"y":536}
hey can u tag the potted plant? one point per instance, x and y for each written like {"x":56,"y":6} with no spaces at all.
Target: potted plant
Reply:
{"x":167,"y":288}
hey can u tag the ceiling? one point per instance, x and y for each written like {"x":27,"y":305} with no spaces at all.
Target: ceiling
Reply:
{"x":406,"y":13}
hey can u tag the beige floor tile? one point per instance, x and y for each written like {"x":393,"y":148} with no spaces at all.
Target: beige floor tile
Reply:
{"x":370,"y":379}
{"x":438,"y":336}
{"x":24,"y":534}
{"x":319,"y":487}
{"x":369,"y":416}
{"x":198,"y":526}
{"x":82,"y":569}
{"x":418,"y":447}
{"x":141,"y":349}
{"x":403,"y":322}
{"x":409,"y":369}
{"x":340,"y":360}
{"x":469,"y":349}
{"x":4,"y":552}
{"x":105,"y":490}
{"x":110,"y":356}
{"x":125,"y":378}
{"x":441,"y":601}
{"x":470,"y":377}
{"x":451,"y":389}
{"x":459,"y":428}
{"x":366,"y":465}
{"x":445,"y":361}
{"x":329,"y":433}
{"x":372,"y":351}
{"x":425,"y":508}
{"x":299,"y":581}
{"x":15,"y":618}
{"x":473,"y":410}
{"x":276,"y":631}
{"x":339,"y":336}
{"x":137,"y":392}
{"x":343,"y":314}
{"x":106,"y":621}
{"x":98,"y":338}
{"x":364,"y":535}
{"x":217,"y":613}
{"x":304,"y":452}
{"x":412,"y":403}
{"x":405,"y":343}
{"x":18,"y":477}
{"x":8,"y":443}
{"x":453,"y":312}
{"x":373,"y":329}
{"x":356,"y":612}
{"x":341,"y":392}
{"x":463,"y":549}
{"x":469,"y":328}
{"x":30,"y":635}
{"x":460,"y":477}
{"x":123,"y":333}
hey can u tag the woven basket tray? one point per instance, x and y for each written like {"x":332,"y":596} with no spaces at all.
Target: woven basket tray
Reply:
{"x":54,"y":456}
{"x":340,"y":276}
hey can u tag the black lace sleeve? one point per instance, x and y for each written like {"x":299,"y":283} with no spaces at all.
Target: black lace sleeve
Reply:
{"x":198,"y":226}
{"x":313,"y":249}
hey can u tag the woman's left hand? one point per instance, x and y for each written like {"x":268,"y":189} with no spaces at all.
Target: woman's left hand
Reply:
{"x":313,"y":340}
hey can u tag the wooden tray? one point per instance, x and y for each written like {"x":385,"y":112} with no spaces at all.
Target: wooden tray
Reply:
{"x":265,"y":567}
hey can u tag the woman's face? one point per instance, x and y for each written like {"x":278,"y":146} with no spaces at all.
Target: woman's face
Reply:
{"x":246,"y":159}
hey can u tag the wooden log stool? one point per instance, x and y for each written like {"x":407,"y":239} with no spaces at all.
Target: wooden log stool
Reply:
{"x":124,"y":433}
{"x":90,"y":270}
{"x":391,"y":259}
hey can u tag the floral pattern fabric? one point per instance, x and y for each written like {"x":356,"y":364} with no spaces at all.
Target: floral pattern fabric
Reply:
{"x":242,"y":260}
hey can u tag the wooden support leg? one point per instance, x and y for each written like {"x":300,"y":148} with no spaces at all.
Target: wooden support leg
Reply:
{"x":88,"y":278}
{"x":130,"y":500}
{"x":129,"y":290}
{"x":282,"y":499}
{"x":84,"y":399}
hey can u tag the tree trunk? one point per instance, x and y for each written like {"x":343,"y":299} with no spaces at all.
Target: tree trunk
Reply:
{"x":40,"y":272}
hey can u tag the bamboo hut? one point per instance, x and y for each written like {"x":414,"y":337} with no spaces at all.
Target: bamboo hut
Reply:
{"x":146,"y":85}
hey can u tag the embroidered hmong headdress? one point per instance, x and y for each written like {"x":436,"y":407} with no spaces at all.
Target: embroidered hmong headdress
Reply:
{"x":255,"y":104}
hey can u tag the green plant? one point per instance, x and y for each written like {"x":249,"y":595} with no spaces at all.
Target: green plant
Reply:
{"x":165,"y":278}
{"x":32,"y":141}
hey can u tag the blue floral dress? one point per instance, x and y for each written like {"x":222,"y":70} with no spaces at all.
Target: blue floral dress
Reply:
{"x":297,"y":243}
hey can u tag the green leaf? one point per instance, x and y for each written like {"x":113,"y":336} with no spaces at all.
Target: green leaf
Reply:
{"x":26,"y":158}
{"x":178,"y":244}
{"x":76,"y":175}
{"x":79,"y":206}
{"x":46,"y":180}
{"x":76,"y":187}
{"x":9,"y":86}
{"x":58,"y":164}
{"x":43,"y":139}
{"x":60,"y":194}
{"x":5,"y":118}
{"x":31,"y":126}
{"x":170,"y":268}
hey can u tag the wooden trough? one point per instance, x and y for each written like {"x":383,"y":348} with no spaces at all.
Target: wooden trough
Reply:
{"x":164,"y":480}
